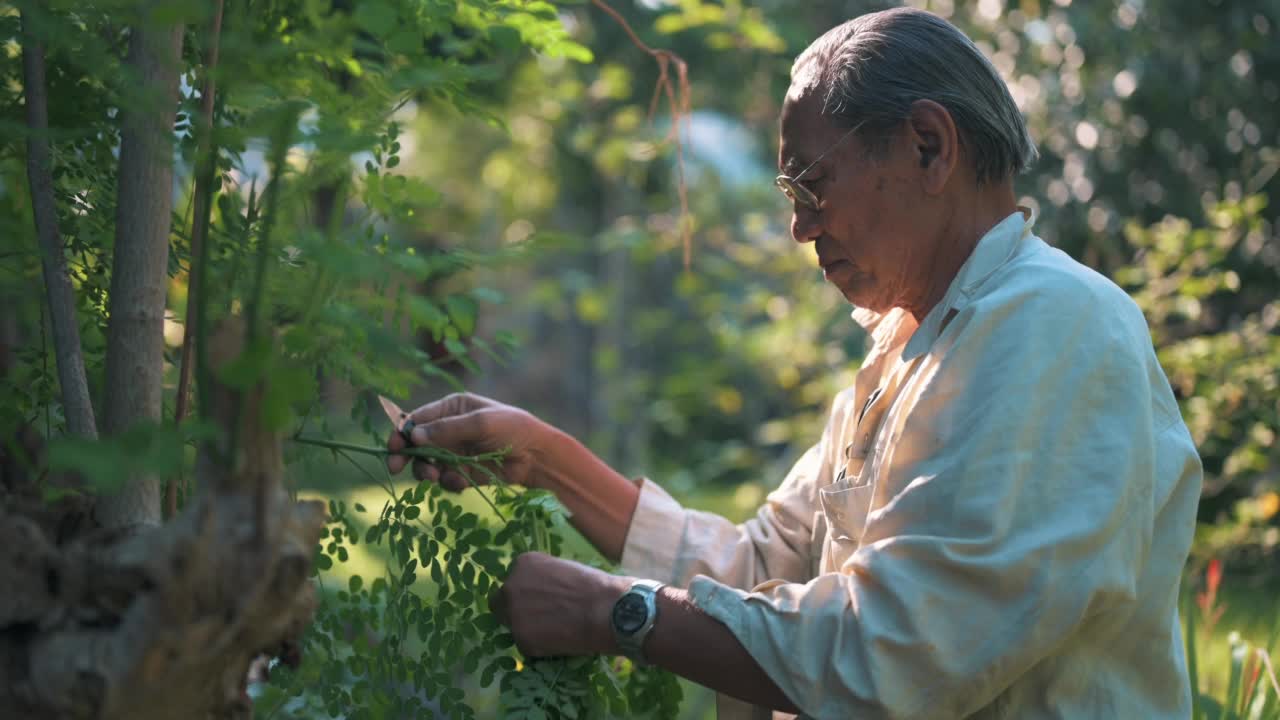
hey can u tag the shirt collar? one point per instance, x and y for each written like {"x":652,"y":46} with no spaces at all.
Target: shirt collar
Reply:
{"x":992,"y":251}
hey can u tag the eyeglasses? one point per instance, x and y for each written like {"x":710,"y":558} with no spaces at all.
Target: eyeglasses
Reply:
{"x":797,"y":193}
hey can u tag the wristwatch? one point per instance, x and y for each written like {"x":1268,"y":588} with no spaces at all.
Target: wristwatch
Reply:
{"x":633,"y":617}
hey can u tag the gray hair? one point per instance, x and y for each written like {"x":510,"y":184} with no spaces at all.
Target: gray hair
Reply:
{"x":872,"y":68}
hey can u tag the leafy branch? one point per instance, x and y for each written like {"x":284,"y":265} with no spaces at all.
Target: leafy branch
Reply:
{"x":425,"y":453}
{"x":464,"y":557}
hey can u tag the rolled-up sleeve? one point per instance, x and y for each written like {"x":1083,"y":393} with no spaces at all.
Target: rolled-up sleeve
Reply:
{"x":652,"y":548}
{"x":1022,"y":503}
{"x":672,"y":543}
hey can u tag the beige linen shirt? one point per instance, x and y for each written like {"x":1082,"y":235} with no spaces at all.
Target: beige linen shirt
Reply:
{"x":1006,"y":538}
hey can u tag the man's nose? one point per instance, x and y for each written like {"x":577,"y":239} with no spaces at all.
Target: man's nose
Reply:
{"x":806,"y":225}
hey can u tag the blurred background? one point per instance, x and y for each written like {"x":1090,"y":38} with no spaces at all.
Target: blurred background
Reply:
{"x":1160,"y":145}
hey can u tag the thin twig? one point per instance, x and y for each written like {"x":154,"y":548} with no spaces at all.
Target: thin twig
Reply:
{"x":302,"y":424}
{"x":391,"y":482}
{"x":44,"y":376}
{"x":679,"y":100}
{"x":76,"y":402}
{"x":203,"y":197}
{"x":443,"y":456}
{"x":346,"y":456}
{"x":484,"y":496}
{"x":1271,"y":671}
{"x":428,"y":453}
{"x":241,"y":240}
{"x":252,"y":309}
{"x":280,"y":150}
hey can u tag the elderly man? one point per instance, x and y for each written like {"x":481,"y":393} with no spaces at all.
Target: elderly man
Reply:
{"x":994,"y":521}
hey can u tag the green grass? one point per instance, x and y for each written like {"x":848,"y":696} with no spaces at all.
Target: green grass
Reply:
{"x":1219,"y":659}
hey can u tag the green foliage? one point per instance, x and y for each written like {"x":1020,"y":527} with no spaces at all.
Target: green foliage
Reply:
{"x":145,"y":449}
{"x":727,"y":25}
{"x":419,"y":640}
{"x":305,"y":238}
{"x":1208,"y":293}
{"x":1251,"y":690}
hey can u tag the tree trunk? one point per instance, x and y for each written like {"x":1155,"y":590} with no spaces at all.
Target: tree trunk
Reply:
{"x":76,"y":404}
{"x":135,"y":329}
{"x":162,"y":622}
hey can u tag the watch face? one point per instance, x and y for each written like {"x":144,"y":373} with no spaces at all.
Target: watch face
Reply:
{"x":629,"y":613}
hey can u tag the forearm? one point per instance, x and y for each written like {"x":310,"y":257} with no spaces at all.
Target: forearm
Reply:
{"x":600,"y":500}
{"x":685,"y":641}
{"x":692,"y":644}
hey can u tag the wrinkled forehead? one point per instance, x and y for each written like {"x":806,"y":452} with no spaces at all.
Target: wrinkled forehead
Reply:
{"x":804,"y":132}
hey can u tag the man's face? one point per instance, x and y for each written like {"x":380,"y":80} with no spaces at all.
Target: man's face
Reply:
{"x":871,"y":230}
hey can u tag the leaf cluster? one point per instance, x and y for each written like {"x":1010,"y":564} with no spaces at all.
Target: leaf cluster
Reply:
{"x":419,"y":640}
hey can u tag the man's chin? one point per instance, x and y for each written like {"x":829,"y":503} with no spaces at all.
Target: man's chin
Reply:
{"x":863,"y":297}
{"x":858,"y":287}
{"x":844,"y":276}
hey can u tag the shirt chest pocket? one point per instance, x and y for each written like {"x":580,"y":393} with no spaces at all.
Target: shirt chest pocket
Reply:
{"x":844,"y":504}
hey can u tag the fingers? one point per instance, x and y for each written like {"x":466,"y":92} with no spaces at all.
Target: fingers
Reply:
{"x":454,"y":480}
{"x":455,"y":404}
{"x":423,"y":470}
{"x":462,"y":434}
{"x":467,"y":433}
{"x":451,"y":423}
{"x":396,"y":463}
{"x":451,"y":479}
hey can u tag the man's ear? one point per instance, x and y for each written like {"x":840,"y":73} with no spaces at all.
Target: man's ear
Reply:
{"x":935,"y":142}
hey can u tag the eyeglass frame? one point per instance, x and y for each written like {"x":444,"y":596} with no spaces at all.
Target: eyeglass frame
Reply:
{"x":791,"y":187}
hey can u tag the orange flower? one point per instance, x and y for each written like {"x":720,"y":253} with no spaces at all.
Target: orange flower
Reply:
{"x":1269,"y":505}
{"x":1207,"y":600}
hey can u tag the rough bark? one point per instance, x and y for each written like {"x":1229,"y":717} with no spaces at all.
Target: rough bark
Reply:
{"x":76,"y":403}
{"x":205,"y":172}
{"x":125,"y":618}
{"x":135,"y":341}
{"x":159,"y":622}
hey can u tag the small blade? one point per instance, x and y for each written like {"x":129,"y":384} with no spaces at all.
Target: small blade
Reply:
{"x":399,"y":418}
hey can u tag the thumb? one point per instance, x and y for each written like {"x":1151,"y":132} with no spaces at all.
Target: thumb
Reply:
{"x":462,"y":434}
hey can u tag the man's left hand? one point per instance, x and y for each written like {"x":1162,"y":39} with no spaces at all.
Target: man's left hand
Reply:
{"x":558,"y":607}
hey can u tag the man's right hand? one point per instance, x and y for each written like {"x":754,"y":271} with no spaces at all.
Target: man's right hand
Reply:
{"x":469,"y":424}
{"x":538,"y":455}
